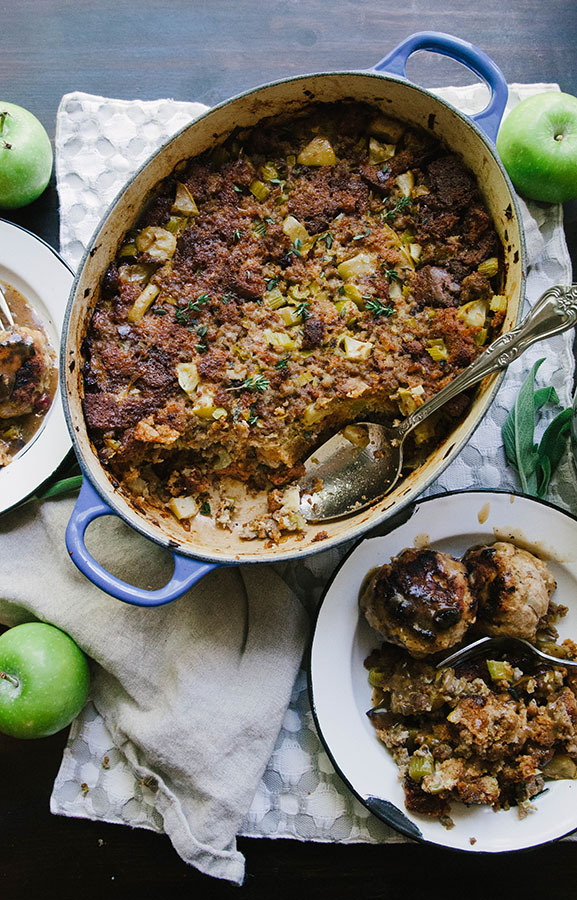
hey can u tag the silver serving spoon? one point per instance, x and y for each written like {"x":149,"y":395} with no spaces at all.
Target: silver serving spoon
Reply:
{"x":360,"y":464}
{"x":485,"y":643}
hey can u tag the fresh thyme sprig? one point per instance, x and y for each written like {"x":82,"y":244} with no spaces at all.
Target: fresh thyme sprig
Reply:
{"x":378,"y":309}
{"x":255,"y":383}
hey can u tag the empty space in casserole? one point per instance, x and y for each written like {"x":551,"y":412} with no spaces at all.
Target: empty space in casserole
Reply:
{"x":306,"y":273}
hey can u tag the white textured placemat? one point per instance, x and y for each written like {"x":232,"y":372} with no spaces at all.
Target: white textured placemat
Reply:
{"x":100,"y":142}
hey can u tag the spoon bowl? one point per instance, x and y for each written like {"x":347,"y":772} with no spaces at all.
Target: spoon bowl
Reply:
{"x":363,"y":462}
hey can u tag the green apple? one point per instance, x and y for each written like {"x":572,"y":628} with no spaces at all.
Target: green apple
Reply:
{"x":44,"y":680}
{"x":538,"y":145}
{"x":25,"y":156}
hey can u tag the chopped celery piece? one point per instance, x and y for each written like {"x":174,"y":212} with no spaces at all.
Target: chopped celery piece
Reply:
{"x":129,"y":248}
{"x":142,"y":302}
{"x":498,"y":303}
{"x":489,"y":267}
{"x":389,"y":129}
{"x":188,"y":377}
{"x":158,"y":243}
{"x":259,"y":190}
{"x":275,"y":298}
{"x":378,"y":152}
{"x":183,"y":507}
{"x":268,"y":172}
{"x":294,"y":230}
{"x":481,"y":337}
{"x":356,"y":266}
{"x":279,"y":339}
{"x":290,"y":316}
{"x":406,"y":183}
{"x":176,"y":224}
{"x":296,"y":294}
{"x":437,"y":350}
{"x":376,"y":676}
{"x":421,"y":765}
{"x":500,"y":670}
{"x":184,"y":202}
{"x":318,"y":152}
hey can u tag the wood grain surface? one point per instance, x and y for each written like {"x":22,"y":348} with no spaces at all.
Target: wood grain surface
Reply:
{"x":208,"y":50}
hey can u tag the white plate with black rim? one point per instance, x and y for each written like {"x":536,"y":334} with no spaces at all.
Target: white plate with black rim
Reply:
{"x":36,"y":270}
{"x":340,"y":693}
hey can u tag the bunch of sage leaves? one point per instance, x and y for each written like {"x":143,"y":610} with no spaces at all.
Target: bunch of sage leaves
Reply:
{"x":535,"y":463}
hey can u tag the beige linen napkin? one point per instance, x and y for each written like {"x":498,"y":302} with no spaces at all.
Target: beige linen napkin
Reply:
{"x":193,"y":693}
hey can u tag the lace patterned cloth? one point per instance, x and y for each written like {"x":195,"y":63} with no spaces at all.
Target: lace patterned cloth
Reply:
{"x":100,"y":142}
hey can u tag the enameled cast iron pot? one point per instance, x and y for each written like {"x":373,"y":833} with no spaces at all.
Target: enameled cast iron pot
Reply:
{"x":203,"y":548}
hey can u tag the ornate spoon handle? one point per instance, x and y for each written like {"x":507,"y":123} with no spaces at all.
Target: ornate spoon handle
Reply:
{"x":554,"y":312}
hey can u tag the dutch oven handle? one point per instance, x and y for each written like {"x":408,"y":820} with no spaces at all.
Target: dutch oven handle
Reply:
{"x":470,"y":56}
{"x":90,"y":506}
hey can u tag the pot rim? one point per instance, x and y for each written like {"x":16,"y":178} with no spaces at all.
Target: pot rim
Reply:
{"x":361,"y":529}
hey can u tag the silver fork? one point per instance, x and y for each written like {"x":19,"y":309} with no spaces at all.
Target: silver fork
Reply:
{"x":5,"y":311}
{"x":483,"y":645}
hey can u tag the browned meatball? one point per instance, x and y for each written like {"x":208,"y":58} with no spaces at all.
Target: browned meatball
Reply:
{"x":25,"y":368}
{"x":512,"y":587}
{"x":421,"y":600}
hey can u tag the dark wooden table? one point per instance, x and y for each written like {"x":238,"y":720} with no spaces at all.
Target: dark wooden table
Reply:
{"x":208,"y":50}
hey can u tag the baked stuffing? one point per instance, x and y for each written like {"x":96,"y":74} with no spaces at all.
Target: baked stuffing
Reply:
{"x":304,"y":274}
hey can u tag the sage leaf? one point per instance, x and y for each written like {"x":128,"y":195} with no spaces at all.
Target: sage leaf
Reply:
{"x":59,"y":488}
{"x":535,"y":464}
{"x":551,"y":449}
{"x":518,"y":431}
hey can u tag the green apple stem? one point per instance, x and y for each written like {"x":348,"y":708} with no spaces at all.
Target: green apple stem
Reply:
{"x":9,"y":678}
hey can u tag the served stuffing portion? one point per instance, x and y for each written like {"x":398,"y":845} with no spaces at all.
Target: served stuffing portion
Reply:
{"x":27,"y":376}
{"x":486,"y":731}
{"x":306,"y":273}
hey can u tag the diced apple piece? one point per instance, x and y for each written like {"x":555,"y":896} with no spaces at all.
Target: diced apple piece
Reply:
{"x":158,"y":243}
{"x":184,"y":204}
{"x":142,"y":302}
{"x":188,"y":377}
{"x":183,"y":507}
{"x":357,"y":266}
{"x":318,"y":152}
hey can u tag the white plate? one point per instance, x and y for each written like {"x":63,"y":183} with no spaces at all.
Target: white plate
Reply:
{"x":341,"y":694}
{"x":41,"y":275}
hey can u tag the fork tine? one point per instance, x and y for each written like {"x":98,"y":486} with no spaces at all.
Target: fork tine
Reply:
{"x":4,"y":308}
